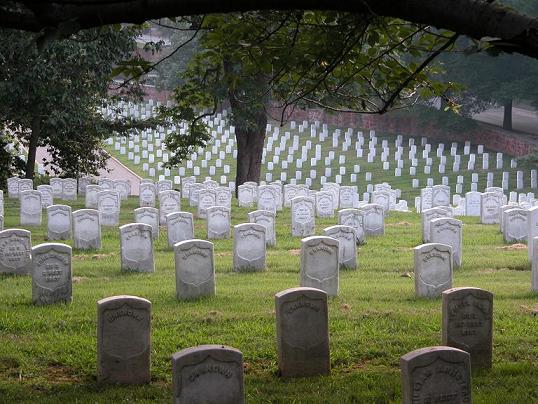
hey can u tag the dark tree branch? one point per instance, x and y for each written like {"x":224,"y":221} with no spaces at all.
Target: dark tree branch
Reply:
{"x":512,"y":31}
{"x":422,"y":66}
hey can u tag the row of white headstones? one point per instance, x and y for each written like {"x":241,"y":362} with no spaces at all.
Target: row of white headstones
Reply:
{"x":223,"y":146}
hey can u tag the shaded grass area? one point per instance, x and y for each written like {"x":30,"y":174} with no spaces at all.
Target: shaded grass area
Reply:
{"x":48,"y":354}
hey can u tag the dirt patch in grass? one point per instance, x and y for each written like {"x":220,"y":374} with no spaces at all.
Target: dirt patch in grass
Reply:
{"x":79,"y":279}
{"x":294,"y":252}
{"x":57,"y":373}
{"x":88,"y":257}
{"x":517,"y":246}
{"x":532,"y":310}
{"x":9,"y":368}
{"x":399,"y":224}
{"x":223,"y":254}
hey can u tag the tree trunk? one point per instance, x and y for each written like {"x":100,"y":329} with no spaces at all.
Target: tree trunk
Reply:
{"x":250,"y":121}
{"x":32,"y":147}
{"x":507,"y":119}
{"x":249,"y":151}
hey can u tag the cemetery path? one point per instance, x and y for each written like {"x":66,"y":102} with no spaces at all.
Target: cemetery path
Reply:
{"x":114,"y":169}
{"x":524,"y":118}
{"x":117,"y":171}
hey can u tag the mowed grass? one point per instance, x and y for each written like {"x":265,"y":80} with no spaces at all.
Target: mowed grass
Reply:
{"x":48,"y":354}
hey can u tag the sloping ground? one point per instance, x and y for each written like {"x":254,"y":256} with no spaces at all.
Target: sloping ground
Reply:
{"x":114,"y":170}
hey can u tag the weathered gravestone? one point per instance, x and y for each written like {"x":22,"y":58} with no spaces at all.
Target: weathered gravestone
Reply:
{"x":279,"y":197}
{"x":57,"y":186}
{"x":291,"y":191}
{"x":179,"y":226}
{"x":302,"y":330}
{"x":347,"y":244}
{"x":373,"y":219}
{"x":194,"y":191}
{"x":433,"y":269}
{"x":51,"y":274}
{"x":320,"y":263}
{"x":354,"y":218}
{"x":13,"y":187}
{"x":206,"y":199}
{"x":149,"y":216}
{"x":2,"y":202}
{"x":324,"y":204}
{"x":169,"y":201}
{"x":59,"y":222}
{"x":433,"y":213}
{"x":223,"y":197}
{"x":218,"y":222}
{"x":30,"y":208}
{"x":303,"y":216}
{"x":502,"y":209}
{"x":532,"y":230}
{"x":147,"y":194}
{"x":425,"y":198}
{"x":123,"y":340}
{"x":439,"y":374}
{"x":25,"y":184}
{"x":268,"y":198}
{"x":90,"y":199}
{"x":163,"y":185}
{"x":106,"y":184}
{"x":208,"y":374}
{"x":69,"y":189}
{"x":15,"y":252}
{"x":186,"y":183}
{"x":1,"y":222}
{"x":334,"y":189}
{"x":210,"y":184}
{"x":124,"y":188}
{"x":47,"y":197}
{"x":472,"y":203}
{"x":249,"y":248}
{"x":448,"y":231}
{"x":468,"y":323}
{"x":382,"y":198}
{"x":266,"y":219}
{"x":136,"y":244}
{"x":515,"y":225}
{"x":440,"y":195}
{"x":247,"y":195}
{"x":86,"y":229}
{"x":489,"y":207}
{"x":347,"y":197}
{"x":108,"y":203}
{"x":83,"y":182}
{"x":195,"y":269}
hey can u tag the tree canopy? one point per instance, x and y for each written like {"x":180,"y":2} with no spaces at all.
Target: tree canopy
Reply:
{"x":50,"y":98}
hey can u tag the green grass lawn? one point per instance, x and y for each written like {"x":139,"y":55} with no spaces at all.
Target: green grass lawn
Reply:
{"x":48,"y":354}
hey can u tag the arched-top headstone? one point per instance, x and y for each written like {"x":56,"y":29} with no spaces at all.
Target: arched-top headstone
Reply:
{"x":123,"y":340}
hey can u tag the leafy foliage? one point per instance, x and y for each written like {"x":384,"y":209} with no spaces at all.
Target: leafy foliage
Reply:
{"x":343,"y":62}
{"x":50,"y":97}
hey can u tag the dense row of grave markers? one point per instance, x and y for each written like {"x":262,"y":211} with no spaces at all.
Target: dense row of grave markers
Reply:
{"x":313,"y":153}
{"x":302,"y":323}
